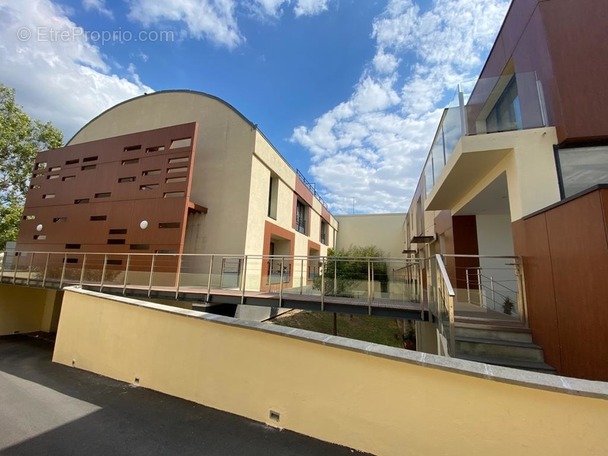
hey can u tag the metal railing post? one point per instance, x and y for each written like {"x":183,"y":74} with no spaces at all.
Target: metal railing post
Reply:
{"x":522,"y":307}
{"x":151,"y":274}
{"x":281,"y":282}
{"x":3,"y":266}
{"x":468,"y":285}
{"x":209,"y":278}
{"x":492,"y":291}
{"x":84,"y":262}
{"x":124,"y":285}
{"x":29,"y":271}
{"x":482,"y":301}
{"x":46,"y":268}
{"x":65,"y":261}
{"x":301,"y":273}
{"x":16,"y":268}
{"x":369,"y":287}
{"x":180,"y":261}
{"x":103,"y":271}
{"x":243,"y":279}
{"x":335,"y":277}
{"x":323,"y":287}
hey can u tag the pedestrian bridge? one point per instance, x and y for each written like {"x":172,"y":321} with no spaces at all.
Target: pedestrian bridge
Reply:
{"x":373,"y":286}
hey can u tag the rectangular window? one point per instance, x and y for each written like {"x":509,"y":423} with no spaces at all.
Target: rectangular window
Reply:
{"x":88,"y":167}
{"x":72,"y":246}
{"x":124,"y":180}
{"x":89,"y":159}
{"x":98,"y":218}
{"x":169,"y":225}
{"x":60,"y":219}
{"x":139,"y":247}
{"x":174,"y":194}
{"x":506,"y":113}
{"x":179,"y":160}
{"x":301,"y":217}
{"x":54,"y":169}
{"x":184,"y":142}
{"x":111,"y":262}
{"x":29,"y":217}
{"x":34,"y":187}
{"x":324,"y":232}
{"x":149,"y":187}
{"x":81,"y":201}
{"x":103,"y":195}
{"x":52,"y":176}
{"x":48,"y":196}
{"x":71,"y":260}
{"x":116,"y":241}
{"x":117,"y":231}
{"x":273,"y":192}
{"x":68,"y":178}
{"x":175,"y":180}
{"x":151,"y":172}
{"x":155,"y":149}
{"x":182,"y":169}
{"x":580,"y":168}
{"x":41,"y":165}
{"x":132,"y":148}
{"x":40,"y":237}
{"x":132,"y":161}
{"x":72,"y":162}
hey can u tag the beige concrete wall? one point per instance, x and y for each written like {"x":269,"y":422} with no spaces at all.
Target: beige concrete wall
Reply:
{"x":24,"y":309}
{"x":527,"y":158}
{"x":385,"y":231}
{"x":378,"y":399}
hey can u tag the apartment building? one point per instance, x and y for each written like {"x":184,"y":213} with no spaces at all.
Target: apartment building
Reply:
{"x":521,"y":169}
{"x":175,"y":172}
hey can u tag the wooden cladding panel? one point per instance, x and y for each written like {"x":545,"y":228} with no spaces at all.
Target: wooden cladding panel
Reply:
{"x":566,"y":265}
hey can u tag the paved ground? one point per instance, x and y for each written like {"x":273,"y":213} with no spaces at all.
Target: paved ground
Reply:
{"x":50,"y":409}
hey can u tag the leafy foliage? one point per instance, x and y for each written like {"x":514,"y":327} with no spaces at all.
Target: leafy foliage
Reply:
{"x":348,"y":270}
{"x":21,"y":138}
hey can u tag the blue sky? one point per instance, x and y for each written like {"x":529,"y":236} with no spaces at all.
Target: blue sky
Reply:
{"x":349,"y":91}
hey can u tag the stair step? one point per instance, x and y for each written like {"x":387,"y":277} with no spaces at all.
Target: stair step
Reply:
{"x":494,"y":332}
{"x":535,"y":366}
{"x":510,"y":349}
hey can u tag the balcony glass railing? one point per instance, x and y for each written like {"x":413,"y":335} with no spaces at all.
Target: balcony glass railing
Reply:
{"x":505,"y":103}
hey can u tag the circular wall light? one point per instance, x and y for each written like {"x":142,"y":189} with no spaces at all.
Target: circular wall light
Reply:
{"x":143,"y":224}
{"x":39,"y":227}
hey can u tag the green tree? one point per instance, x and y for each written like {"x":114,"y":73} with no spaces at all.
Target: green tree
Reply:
{"x":346,"y":270}
{"x":21,"y":138}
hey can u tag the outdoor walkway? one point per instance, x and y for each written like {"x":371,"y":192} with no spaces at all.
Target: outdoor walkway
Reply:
{"x":50,"y":409}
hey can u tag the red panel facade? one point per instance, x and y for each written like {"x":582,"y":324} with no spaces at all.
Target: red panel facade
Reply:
{"x":92,"y":197}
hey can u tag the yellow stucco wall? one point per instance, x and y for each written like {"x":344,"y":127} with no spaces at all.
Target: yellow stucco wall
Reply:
{"x":385,"y":231}
{"x":377,"y":399}
{"x":24,"y":309}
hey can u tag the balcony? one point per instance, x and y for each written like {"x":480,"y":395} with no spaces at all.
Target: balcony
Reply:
{"x":472,"y":138}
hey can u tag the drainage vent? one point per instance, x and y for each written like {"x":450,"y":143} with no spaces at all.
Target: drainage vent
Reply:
{"x":275,"y":416}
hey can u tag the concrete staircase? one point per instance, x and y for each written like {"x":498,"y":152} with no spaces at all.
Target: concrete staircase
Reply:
{"x":498,"y":344}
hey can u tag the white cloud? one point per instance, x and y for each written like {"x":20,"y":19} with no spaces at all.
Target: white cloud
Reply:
{"x":270,"y":8}
{"x":371,"y":148}
{"x":310,"y":7}
{"x":67,"y":81}
{"x":214,"y":20}
{"x":99,"y":6}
